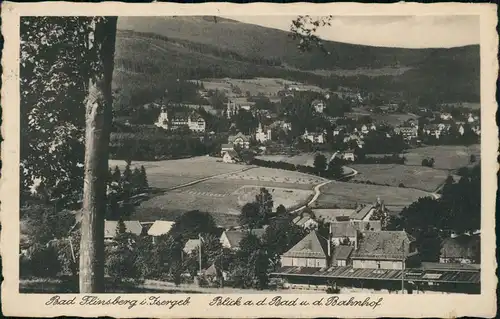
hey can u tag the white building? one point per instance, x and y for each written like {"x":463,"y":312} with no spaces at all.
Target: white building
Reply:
{"x":262,"y":136}
{"x":318,"y":138}
{"x":193,"y":121}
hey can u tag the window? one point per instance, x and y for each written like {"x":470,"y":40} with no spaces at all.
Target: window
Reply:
{"x":378,"y":264}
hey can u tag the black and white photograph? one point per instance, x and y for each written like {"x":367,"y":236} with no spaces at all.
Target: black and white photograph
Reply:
{"x":251,"y":154}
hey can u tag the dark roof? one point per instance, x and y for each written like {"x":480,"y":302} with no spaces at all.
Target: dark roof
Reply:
{"x":313,"y":245}
{"x":342,"y":229}
{"x":383,"y":245}
{"x":412,"y":274}
{"x":460,"y":247}
{"x":342,"y":252}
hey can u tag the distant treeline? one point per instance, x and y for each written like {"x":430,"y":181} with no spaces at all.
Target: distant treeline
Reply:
{"x":389,"y":159}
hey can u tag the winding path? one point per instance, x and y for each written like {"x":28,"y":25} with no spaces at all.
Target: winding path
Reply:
{"x":317,"y":190}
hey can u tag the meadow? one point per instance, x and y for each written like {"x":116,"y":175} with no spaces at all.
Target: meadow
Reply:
{"x":171,"y":173}
{"x":418,"y":177}
{"x":221,"y":195}
{"x":347,"y":195}
{"x":447,"y":157}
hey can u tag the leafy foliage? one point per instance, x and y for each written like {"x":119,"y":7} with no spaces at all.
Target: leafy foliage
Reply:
{"x":458,"y":210}
{"x":54,"y":72}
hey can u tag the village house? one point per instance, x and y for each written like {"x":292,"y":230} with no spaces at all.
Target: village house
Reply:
{"x":384,"y":250}
{"x":314,"y":137}
{"x":471,"y":119}
{"x":159,"y":228}
{"x":231,"y":238}
{"x":162,"y":120}
{"x":230,"y":156}
{"x":364,"y":129}
{"x":131,"y":226}
{"x":463,"y":249}
{"x":347,"y":155}
{"x":312,"y":251}
{"x":192,"y":120}
{"x":339,"y":129}
{"x":318,"y":106}
{"x":432,"y":130}
{"x":446,"y":116}
{"x":408,"y":132}
{"x":262,"y":136}
{"x":461,"y":129}
{"x":354,"y":137}
{"x":239,"y":139}
{"x":232,"y":109}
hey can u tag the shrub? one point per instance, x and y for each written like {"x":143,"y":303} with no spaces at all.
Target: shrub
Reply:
{"x":41,"y":261}
{"x":401,"y":185}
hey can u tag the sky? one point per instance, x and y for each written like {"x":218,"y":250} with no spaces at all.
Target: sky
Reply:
{"x":388,"y":31}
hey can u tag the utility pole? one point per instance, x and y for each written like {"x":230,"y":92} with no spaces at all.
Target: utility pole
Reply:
{"x":403,"y":270}
{"x":199,"y":248}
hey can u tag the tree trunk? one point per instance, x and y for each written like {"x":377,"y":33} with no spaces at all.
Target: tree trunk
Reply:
{"x":98,"y":124}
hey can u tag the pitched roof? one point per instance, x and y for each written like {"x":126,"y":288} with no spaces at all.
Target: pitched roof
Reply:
{"x":232,"y":138}
{"x":342,"y":252}
{"x":362,"y":212}
{"x":160,"y":227}
{"x":312,"y":246}
{"x":131,"y":226}
{"x":383,"y":245}
{"x":342,"y":229}
{"x":459,"y":247}
{"x":190,"y":245}
{"x":235,"y":236}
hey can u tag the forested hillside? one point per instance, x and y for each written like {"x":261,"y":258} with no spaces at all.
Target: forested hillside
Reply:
{"x":154,"y":51}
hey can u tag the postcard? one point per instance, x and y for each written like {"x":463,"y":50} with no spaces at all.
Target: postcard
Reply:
{"x":223,"y":160}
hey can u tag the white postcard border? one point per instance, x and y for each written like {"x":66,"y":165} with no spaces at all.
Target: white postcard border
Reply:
{"x":432,"y":305}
